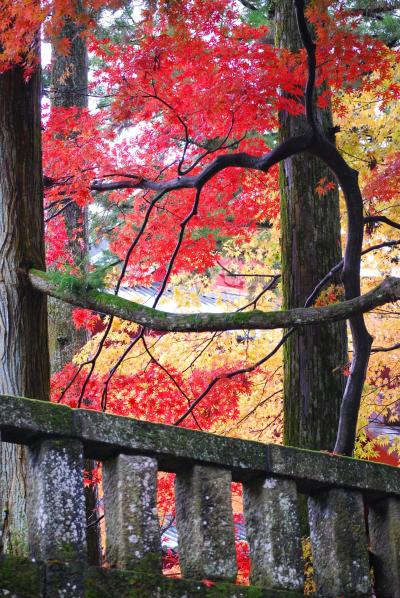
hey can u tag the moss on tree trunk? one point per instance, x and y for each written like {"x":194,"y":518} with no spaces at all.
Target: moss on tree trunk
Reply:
{"x":310,"y":245}
{"x":69,"y":87}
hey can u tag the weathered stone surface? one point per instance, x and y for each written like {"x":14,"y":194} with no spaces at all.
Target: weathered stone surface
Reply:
{"x":314,"y":469}
{"x":56,"y":514}
{"x":22,"y":420}
{"x":205,"y":523}
{"x":273,"y":533}
{"x":104,"y":435}
{"x":175,"y":447}
{"x":56,"y":505}
{"x":339,"y":544}
{"x":130,"y":503}
{"x":384,"y":530}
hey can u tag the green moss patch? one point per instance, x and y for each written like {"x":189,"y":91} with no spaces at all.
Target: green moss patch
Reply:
{"x":21,"y":577}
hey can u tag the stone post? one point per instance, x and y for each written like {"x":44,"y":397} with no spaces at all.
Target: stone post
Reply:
{"x":56,"y":514}
{"x":384,"y":531}
{"x":273,"y":533}
{"x":130,"y":505}
{"x":204,"y":521}
{"x":339,"y":543}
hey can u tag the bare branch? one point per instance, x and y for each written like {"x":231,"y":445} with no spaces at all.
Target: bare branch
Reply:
{"x":230,"y":273}
{"x":375,"y":9}
{"x":383,"y":219}
{"x":248,"y":4}
{"x":269,"y":287}
{"x":60,"y":211}
{"x":235,"y":373}
{"x":171,"y":377}
{"x":140,"y":333}
{"x":385,"y":349}
{"x":290,"y":147}
{"x":339,"y":266}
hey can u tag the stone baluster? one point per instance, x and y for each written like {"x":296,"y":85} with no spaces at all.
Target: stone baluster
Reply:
{"x":205,"y":523}
{"x":56,"y":514}
{"x":130,"y":507}
{"x":339,"y":543}
{"x":273,"y":533}
{"x":384,"y":531}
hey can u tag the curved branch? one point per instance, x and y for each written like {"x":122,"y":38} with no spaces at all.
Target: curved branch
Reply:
{"x":311,"y":298}
{"x":290,"y":147}
{"x":377,"y":9}
{"x":230,"y":375}
{"x":382,"y":219}
{"x":385,"y":349}
{"x":386,"y":292}
{"x":362,"y":340}
{"x":310,"y":47}
{"x":348,"y":180}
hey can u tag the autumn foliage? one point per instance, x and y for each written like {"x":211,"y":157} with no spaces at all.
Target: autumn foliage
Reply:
{"x":161,"y":114}
{"x":168,"y":95}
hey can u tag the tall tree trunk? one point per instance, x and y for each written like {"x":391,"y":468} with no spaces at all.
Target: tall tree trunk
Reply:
{"x":69,"y":83}
{"x":24,"y":359}
{"x":310,"y":245}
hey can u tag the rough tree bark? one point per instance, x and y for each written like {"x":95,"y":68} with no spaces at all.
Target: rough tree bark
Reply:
{"x":69,"y":87}
{"x":24,"y":359}
{"x":310,"y":246}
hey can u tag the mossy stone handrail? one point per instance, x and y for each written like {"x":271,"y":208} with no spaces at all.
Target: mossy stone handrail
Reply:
{"x":104,"y":435}
{"x":132,"y":452}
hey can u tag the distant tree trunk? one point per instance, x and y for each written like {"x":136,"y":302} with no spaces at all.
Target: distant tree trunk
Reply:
{"x":69,"y":87}
{"x":310,"y":245}
{"x":24,"y":358}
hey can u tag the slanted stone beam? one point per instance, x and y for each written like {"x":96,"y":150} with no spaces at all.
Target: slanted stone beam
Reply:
{"x":105,"y":435}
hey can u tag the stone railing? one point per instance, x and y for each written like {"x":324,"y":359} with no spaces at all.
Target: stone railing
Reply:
{"x":59,"y":438}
